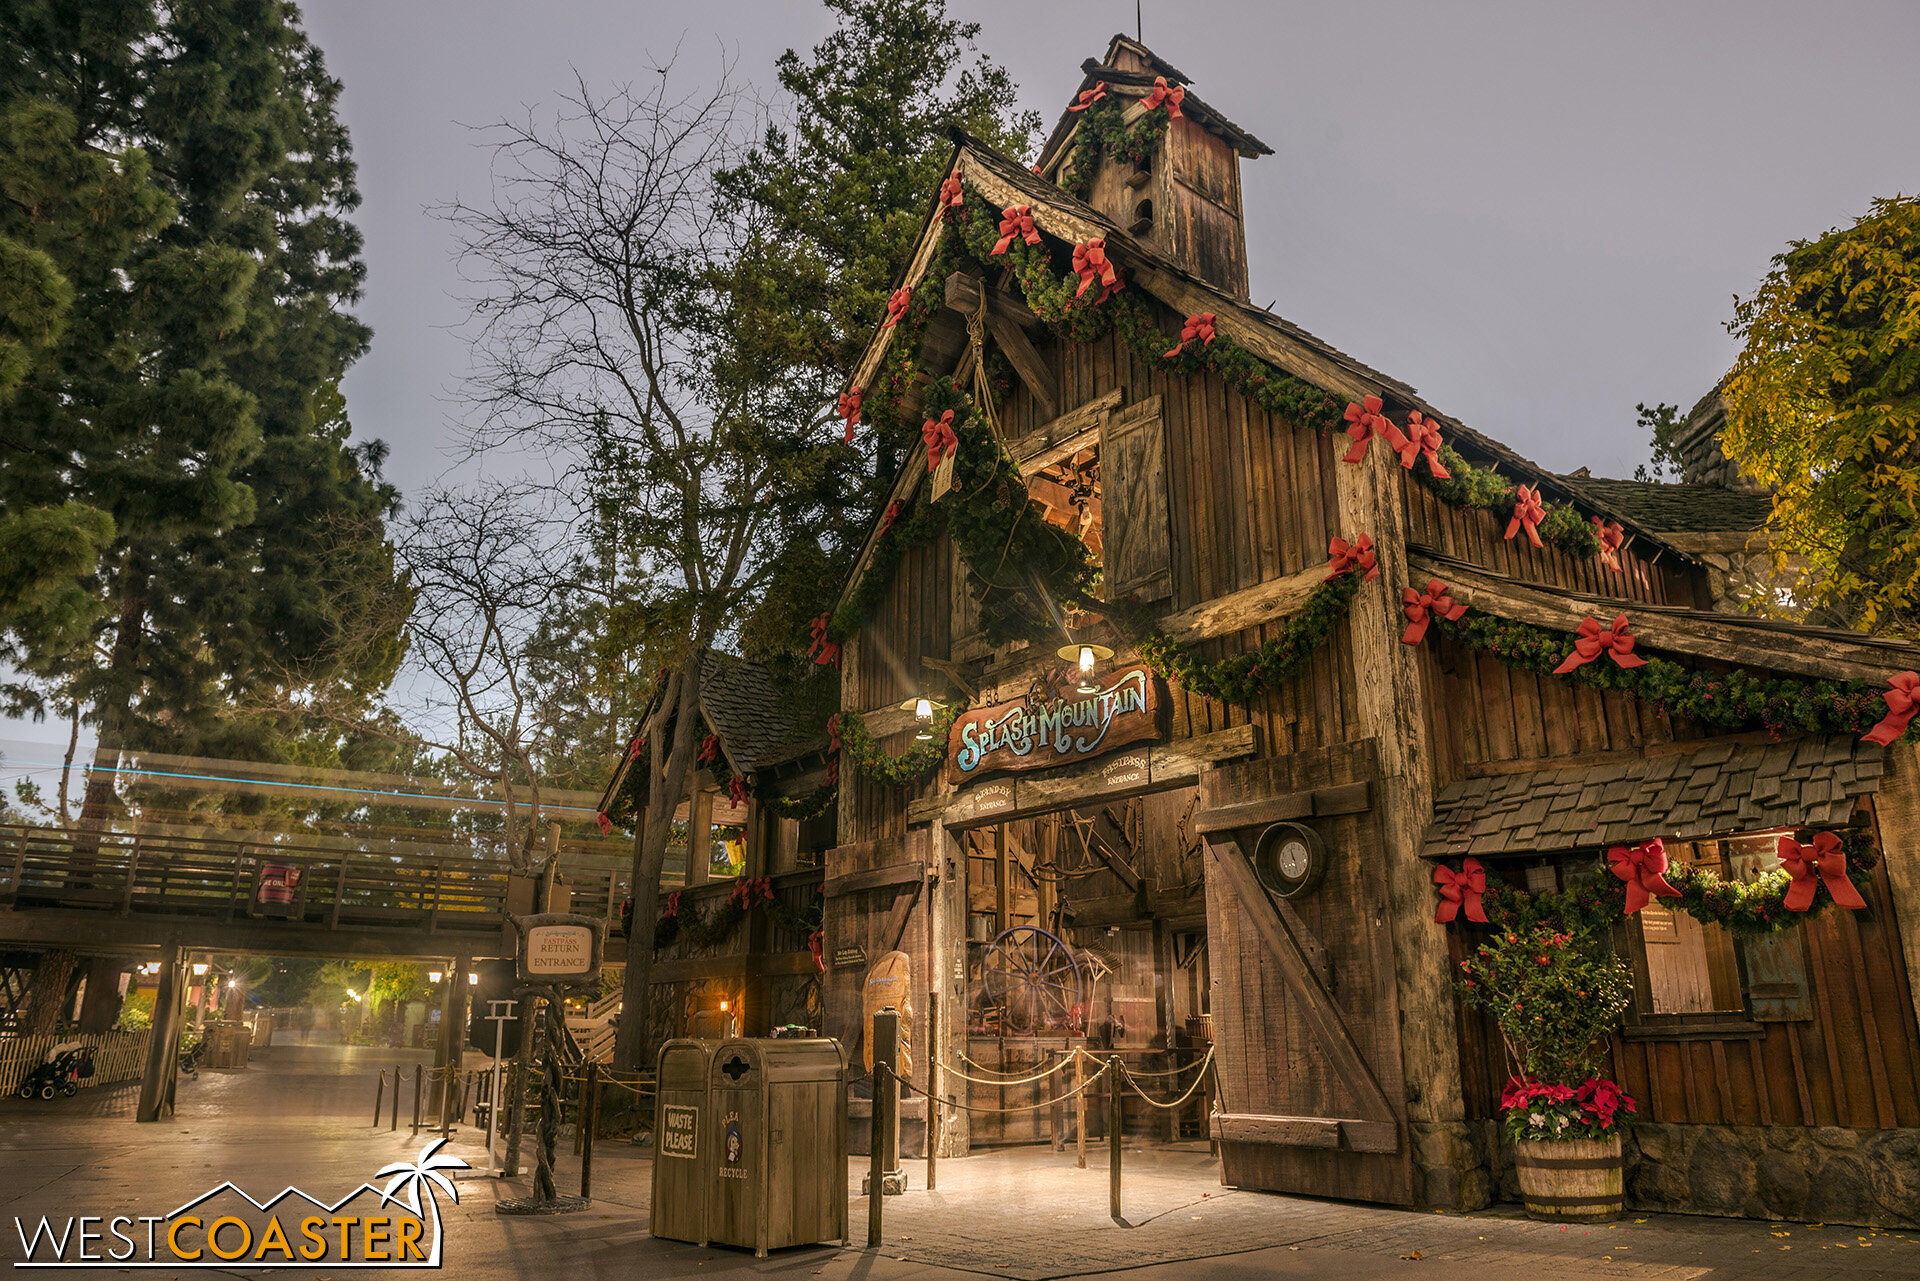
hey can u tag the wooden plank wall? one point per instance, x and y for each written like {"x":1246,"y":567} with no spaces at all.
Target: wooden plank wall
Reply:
{"x":1856,"y":1063}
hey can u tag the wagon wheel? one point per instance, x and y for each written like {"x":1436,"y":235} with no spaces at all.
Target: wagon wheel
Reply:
{"x":1033,"y":977}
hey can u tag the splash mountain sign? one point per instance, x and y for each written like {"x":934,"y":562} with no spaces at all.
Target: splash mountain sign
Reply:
{"x":1065,"y":730}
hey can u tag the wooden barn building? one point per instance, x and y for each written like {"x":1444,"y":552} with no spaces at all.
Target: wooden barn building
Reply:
{"x":1243,"y":858}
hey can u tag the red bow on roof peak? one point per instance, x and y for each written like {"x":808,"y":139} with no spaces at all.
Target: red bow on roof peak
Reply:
{"x":1595,"y":640}
{"x":1199,"y":325}
{"x":1087,"y":98}
{"x":891,"y":514}
{"x":1421,"y":607}
{"x":1016,"y":223}
{"x":1090,"y":260}
{"x":897,"y":305}
{"x":1358,"y":554}
{"x":951,"y":194}
{"x":1461,"y":889}
{"x":941,"y":442}
{"x":1903,"y":700}
{"x":1422,"y":438}
{"x":1527,"y":514}
{"x":848,"y":407}
{"x":1641,"y":866}
{"x":1172,"y":95}
{"x":1822,"y":862}
{"x":1364,"y":422}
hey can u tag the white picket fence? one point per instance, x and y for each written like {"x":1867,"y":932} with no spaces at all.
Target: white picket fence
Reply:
{"x":117,"y":1056}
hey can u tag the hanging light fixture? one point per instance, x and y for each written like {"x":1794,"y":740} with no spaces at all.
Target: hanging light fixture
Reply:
{"x":923,"y":709}
{"x":199,"y":968}
{"x":473,"y":979}
{"x":433,"y":976}
{"x":1085,"y":657}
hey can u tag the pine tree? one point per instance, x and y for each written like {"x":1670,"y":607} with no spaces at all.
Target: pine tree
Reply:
{"x":175,"y":188}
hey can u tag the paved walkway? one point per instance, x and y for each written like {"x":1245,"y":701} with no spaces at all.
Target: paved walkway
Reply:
{"x":302,"y":1115}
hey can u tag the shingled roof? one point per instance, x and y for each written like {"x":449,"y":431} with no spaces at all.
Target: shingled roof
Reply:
{"x":740,"y":702}
{"x":1676,"y":509}
{"x":1718,"y":788}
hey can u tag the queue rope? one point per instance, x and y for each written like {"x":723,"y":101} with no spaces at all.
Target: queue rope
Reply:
{"x":1199,"y":1062}
{"x":1198,"y":1081}
{"x":1016,"y":1080}
{"x":911,"y":1088}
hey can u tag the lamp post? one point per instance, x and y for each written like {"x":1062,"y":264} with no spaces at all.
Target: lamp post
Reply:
{"x":200,"y":1001}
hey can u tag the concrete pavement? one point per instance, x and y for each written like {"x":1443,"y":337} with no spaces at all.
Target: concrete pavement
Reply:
{"x":302,"y":1115}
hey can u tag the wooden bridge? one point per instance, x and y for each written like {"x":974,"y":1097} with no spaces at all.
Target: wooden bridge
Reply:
{"x":90,"y":890}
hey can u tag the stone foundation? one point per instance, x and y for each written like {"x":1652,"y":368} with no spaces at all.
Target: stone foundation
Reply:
{"x":1827,"y":1175}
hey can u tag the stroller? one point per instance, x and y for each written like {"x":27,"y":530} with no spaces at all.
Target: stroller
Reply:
{"x":68,"y":1064}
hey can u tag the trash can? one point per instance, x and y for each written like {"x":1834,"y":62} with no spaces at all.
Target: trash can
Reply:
{"x":227,"y":1044}
{"x":777,"y":1143}
{"x":680,"y":1115}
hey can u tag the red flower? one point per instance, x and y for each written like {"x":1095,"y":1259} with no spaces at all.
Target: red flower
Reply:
{"x":1086,"y":99}
{"x":1199,"y":325}
{"x":1016,"y":223}
{"x":897,"y":305}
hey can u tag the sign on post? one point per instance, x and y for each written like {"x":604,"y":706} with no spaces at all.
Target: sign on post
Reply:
{"x":560,"y":947}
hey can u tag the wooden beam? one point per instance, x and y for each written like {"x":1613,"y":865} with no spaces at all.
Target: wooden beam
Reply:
{"x":1310,"y":998}
{"x":1050,"y":441}
{"x":964,"y":294}
{"x":873,"y":879}
{"x":1729,"y":638}
{"x":1250,"y":607}
{"x":1348,"y":798}
{"x":1307,"y":1132}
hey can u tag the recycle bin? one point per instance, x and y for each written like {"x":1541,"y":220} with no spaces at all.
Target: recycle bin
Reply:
{"x":681,"y":1150}
{"x":777,"y":1143}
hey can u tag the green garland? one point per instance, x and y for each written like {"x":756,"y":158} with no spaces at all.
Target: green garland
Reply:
{"x":1241,"y":677}
{"x":1736,"y":701}
{"x":1104,"y":133}
{"x":1593,"y":904}
{"x":707,"y":929}
{"x":1487,"y":490}
{"x":907,"y":769}
{"x":920,"y":524}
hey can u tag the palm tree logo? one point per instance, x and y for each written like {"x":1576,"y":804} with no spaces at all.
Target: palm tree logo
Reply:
{"x":423,"y":1173}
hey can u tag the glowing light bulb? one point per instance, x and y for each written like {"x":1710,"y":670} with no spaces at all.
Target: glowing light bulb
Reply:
{"x":199,"y":968}
{"x":473,"y":980}
{"x":923,"y":709}
{"x":433,"y":976}
{"x":1086,"y":659}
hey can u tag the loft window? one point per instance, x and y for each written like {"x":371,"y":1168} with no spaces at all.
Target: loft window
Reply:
{"x":1068,"y":489}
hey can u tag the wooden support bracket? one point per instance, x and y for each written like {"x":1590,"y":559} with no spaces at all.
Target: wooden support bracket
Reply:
{"x":1006,"y":321}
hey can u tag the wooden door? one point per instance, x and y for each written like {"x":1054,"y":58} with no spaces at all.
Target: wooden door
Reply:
{"x":1305,"y":1009}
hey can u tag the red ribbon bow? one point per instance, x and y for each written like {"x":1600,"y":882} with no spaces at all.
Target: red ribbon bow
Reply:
{"x":817,"y":944}
{"x":1527,"y":514}
{"x":605,"y":824}
{"x":1595,"y":640}
{"x":1461,"y":889}
{"x":1086,"y":99}
{"x":673,"y":905}
{"x":1090,"y":260}
{"x":1172,"y":95}
{"x":1357,"y":554}
{"x":1016,"y":222}
{"x":897,"y":305}
{"x":849,"y":409}
{"x":891,"y":514}
{"x":827,"y":651}
{"x":752,"y":889}
{"x":709,"y":748}
{"x":1640,"y":866}
{"x":938,"y":433}
{"x":737,"y":790}
{"x":833,"y":733}
{"x":951,"y":197}
{"x":1903,"y":700}
{"x":1199,"y":325}
{"x":1420,"y":607}
{"x":1364,"y":422}
{"x":833,"y":771}
{"x":1823,"y":862}
{"x":633,"y":748}
{"x":1611,"y":537}
{"x":1422,"y":438}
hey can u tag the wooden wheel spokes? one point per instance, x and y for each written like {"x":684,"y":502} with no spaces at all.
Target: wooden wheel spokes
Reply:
{"x":1033,"y":977}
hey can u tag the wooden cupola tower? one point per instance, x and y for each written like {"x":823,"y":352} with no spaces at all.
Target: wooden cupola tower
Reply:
{"x":1185,"y":199}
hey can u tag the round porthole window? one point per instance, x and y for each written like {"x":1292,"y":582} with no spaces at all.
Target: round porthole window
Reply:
{"x":1290,"y":859}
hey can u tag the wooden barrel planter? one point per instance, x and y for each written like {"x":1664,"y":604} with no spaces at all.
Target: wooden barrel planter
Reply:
{"x":1575,"y":1181}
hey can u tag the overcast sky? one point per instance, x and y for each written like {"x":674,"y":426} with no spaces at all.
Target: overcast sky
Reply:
{"x":1538,"y":214}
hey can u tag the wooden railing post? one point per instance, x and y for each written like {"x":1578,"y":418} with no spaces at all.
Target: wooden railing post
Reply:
{"x":133,"y":872}
{"x":339,"y":893}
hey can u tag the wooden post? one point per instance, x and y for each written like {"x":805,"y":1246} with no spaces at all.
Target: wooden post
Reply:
{"x":1003,"y":879}
{"x":1114,"y":1127}
{"x":163,"y":1046}
{"x":933,"y":1081}
{"x":1896,"y":812}
{"x":379,"y":1098}
{"x":876,"y":1148}
{"x":884,"y":1142}
{"x":589,"y":1120}
{"x":1079,"y":1109}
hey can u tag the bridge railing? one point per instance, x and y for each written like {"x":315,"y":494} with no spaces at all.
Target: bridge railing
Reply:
{"x":129,"y":873}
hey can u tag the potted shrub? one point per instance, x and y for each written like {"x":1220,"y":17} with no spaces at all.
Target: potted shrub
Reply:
{"x":1555,"y":993}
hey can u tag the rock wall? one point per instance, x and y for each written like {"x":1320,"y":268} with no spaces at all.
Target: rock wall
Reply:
{"x":1827,"y":1175}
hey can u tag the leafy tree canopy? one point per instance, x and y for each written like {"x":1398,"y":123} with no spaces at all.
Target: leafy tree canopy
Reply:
{"x":1823,"y":404}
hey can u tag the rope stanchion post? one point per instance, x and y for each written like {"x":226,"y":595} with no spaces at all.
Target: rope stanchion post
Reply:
{"x":396,"y":1098}
{"x":1116,"y":1097}
{"x":589,"y":1121}
{"x":379,"y":1097}
{"x":883,"y":1139}
{"x":418,"y":1075}
{"x":876,"y":1156}
{"x":445,"y":1091}
{"x":933,"y":1126}
{"x":1079,"y":1109}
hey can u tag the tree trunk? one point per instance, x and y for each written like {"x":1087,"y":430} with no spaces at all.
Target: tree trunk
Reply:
{"x":115,"y":710}
{"x":667,"y":771}
{"x":47,"y":999}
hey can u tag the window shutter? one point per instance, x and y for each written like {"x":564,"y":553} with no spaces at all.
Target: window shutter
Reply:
{"x":1778,"y":990}
{"x":968,"y":643}
{"x":1137,"y":549}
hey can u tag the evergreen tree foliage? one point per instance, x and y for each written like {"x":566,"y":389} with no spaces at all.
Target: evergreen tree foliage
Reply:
{"x":184,"y":525}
